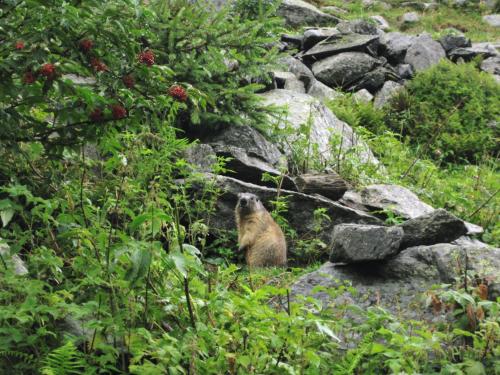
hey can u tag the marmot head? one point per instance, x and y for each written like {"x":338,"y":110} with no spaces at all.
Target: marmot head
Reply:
{"x":247,"y":203}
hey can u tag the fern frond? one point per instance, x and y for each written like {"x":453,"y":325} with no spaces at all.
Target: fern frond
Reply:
{"x":63,"y":361}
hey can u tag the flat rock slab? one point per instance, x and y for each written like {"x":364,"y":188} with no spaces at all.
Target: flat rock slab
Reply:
{"x":354,"y":243}
{"x":338,"y":43}
{"x":395,"y":198}
{"x":300,"y":13}
{"x":344,"y":69}
{"x":439,"y":226}
{"x":424,"y":53}
{"x":394,"y":46}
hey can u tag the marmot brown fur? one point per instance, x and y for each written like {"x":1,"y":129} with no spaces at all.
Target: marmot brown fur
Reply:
{"x":258,"y":234}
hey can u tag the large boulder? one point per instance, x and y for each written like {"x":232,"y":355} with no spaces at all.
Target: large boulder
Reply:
{"x":300,"y":13}
{"x":388,"y":90}
{"x":468,"y":53}
{"x":395,"y":198}
{"x":344,"y":69}
{"x":399,"y":284}
{"x":354,"y":243}
{"x":338,"y":43}
{"x":438,"y":226}
{"x":374,"y":80}
{"x":300,"y":213}
{"x":394,"y":46}
{"x":454,"y":40}
{"x":315,"y":35}
{"x":491,"y":65}
{"x":304,"y":109}
{"x":424,"y":53}
{"x":358,"y":26}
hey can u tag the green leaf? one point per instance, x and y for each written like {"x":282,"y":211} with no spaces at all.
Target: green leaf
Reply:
{"x":6,"y":216}
{"x":141,"y":259}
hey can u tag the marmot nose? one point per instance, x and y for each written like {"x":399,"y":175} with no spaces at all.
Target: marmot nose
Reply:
{"x":243,"y":202}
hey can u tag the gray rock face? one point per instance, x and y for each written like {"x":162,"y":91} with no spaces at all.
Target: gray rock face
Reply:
{"x":424,"y":53}
{"x":399,"y":283}
{"x":388,"y":90}
{"x":303,"y":108}
{"x":374,"y":80}
{"x":323,"y":92}
{"x":201,"y":156}
{"x":452,"y":41}
{"x":492,"y":19}
{"x":405,"y":71}
{"x":344,"y":69}
{"x":300,"y":213}
{"x":353,"y":243}
{"x":409,"y":18}
{"x":396,"y":198}
{"x":381,"y":22}
{"x":363,"y":96}
{"x":439,"y":226}
{"x":295,"y":66}
{"x":394,"y":46}
{"x":300,"y":13}
{"x":12,"y":260}
{"x":491,"y":65}
{"x":469,"y":53}
{"x":314,"y":36}
{"x":358,"y":27}
{"x":341,"y":43}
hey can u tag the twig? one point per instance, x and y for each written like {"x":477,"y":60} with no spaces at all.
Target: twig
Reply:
{"x":483,"y":204}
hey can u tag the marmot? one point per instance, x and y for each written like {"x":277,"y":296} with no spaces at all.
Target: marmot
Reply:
{"x":258,"y":234}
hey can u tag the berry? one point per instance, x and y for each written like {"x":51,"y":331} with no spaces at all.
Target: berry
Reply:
{"x":86,"y":45}
{"x":19,"y":45}
{"x":29,"y":78}
{"x":48,"y":70}
{"x":128,"y":81}
{"x":147,"y":57}
{"x":118,"y":111}
{"x":96,"y":115}
{"x":98,"y":65}
{"x":178,"y":92}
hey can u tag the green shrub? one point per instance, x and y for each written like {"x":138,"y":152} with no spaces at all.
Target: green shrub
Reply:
{"x":450,"y":111}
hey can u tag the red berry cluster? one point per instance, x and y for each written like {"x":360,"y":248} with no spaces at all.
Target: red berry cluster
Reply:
{"x":178,"y":92}
{"x":19,"y":45}
{"x":118,"y":111}
{"x":97,"y":115}
{"x":147,"y":57}
{"x":98,"y":65}
{"x":86,"y":45}
{"x":29,"y":77}
{"x":48,"y":70}
{"x":128,"y":81}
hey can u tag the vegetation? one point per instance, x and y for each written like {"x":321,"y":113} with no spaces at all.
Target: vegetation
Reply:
{"x":112,"y":223}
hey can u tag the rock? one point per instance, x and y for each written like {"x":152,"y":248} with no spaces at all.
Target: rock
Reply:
{"x":323,"y":92}
{"x":288,"y":81}
{"x":443,"y":262}
{"x":14,"y":260}
{"x":438,"y":226}
{"x":338,"y":43}
{"x":314,"y":36}
{"x":300,"y":214}
{"x":295,"y":40}
{"x":473,"y":229}
{"x":201,"y":156}
{"x":246,"y":137}
{"x":419,"y":6}
{"x":394,"y":46}
{"x":296,"y":67}
{"x":329,"y":185}
{"x":399,"y":284}
{"x":303,"y":108}
{"x":409,"y":18}
{"x":485,"y":50}
{"x":299,"y":13}
{"x":363,"y":96}
{"x":354,"y":243}
{"x":492,"y":19}
{"x":344,"y":69}
{"x":398,"y":199}
{"x":424,"y":53}
{"x":491,"y":65}
{"x":388,"y":90}
{"x":455,"y":40}
{"x":471,"y":242}
{"x":357,"y":27}
{"x":381,"y":22}
{"x":374,"y":80}
{"x":405,"y":71}
{"x":333,"y":10}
